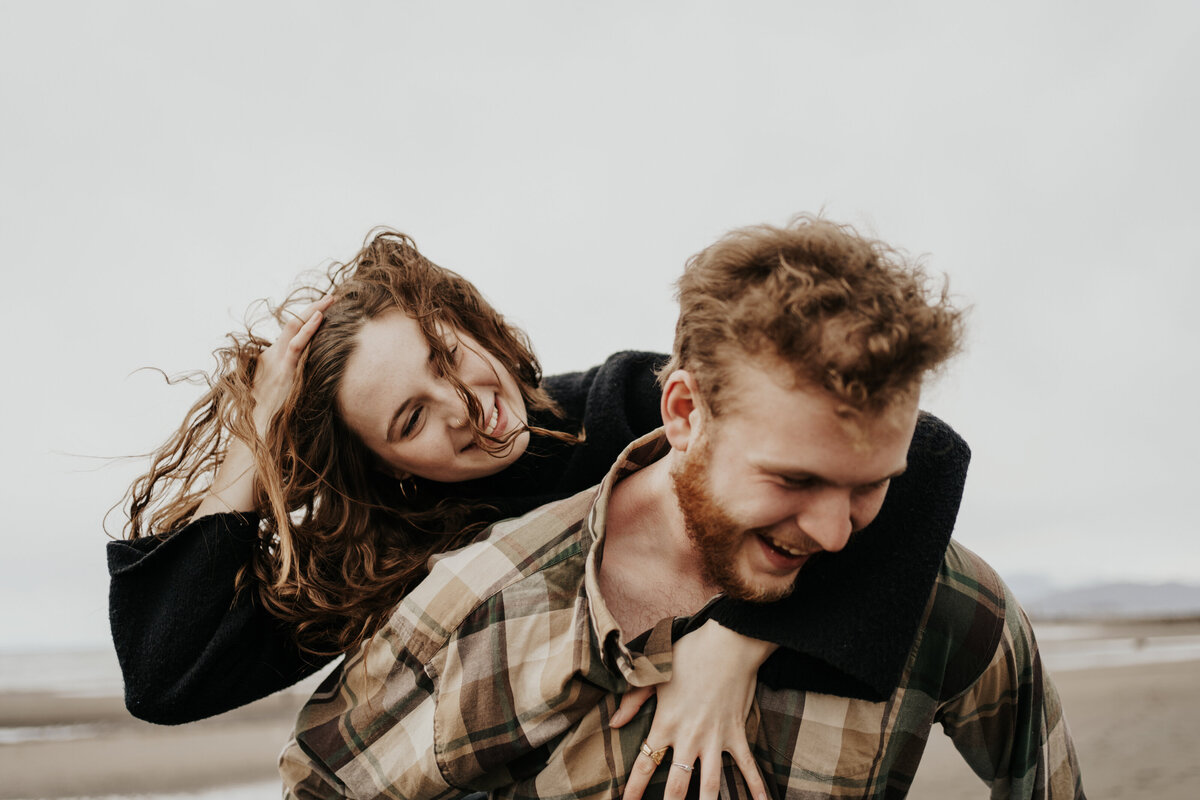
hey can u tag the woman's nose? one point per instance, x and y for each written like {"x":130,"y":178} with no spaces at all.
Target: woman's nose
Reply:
{"x":455,"y":409}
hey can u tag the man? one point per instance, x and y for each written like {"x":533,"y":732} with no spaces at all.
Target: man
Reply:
{"x":788,"y":408}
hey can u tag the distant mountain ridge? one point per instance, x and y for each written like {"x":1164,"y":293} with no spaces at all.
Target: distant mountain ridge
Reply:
{"x":1113,"y":601}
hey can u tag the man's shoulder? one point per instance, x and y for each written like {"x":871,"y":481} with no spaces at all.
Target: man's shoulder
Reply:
{"x":967,"y":618}
{"x":965,"y":581}
{"x":514,"y":552}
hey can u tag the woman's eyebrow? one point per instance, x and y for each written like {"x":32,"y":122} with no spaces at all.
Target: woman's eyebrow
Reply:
{"x":390,"y":434}
{"x":391,"y":428}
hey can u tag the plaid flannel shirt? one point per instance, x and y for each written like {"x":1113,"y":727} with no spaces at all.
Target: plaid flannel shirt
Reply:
{"x":501,"y":671}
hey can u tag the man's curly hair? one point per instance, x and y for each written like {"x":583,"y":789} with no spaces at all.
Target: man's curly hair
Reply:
{"x":848,"y":314}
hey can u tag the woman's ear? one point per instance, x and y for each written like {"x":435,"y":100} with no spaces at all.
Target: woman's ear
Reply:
{"x":389,"y":470}
{"x":683,"y":410}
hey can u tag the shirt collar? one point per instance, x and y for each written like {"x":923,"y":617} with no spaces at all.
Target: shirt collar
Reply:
{"x":653,"y":664}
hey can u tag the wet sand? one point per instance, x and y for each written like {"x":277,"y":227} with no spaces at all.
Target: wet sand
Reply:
{"x":115,"y":754}
{"x":1136,"y":729}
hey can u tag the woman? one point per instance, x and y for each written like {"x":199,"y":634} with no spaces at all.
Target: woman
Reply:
{"x":391,"y":422}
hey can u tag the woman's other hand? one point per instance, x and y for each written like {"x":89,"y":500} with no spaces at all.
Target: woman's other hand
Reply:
{"x":233,"y":484}
{"x":701,"y":713}
{"x":276,"y":369}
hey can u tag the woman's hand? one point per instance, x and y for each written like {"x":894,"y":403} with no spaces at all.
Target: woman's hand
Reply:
{"x":276,"y":369}
{"x":233,"y":485}
{"x":701,"y":713}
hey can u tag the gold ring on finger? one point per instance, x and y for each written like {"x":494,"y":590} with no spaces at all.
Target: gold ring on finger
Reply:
{"x":655,"y":755}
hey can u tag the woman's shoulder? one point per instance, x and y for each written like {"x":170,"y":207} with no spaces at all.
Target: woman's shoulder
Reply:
{"x":622,"y":388}
{"x":611,"y":404}
{"x":626,"y":369}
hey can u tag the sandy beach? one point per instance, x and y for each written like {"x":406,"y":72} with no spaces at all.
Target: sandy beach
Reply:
{"x":1136,"y":731}
{"x":1136,"y":727}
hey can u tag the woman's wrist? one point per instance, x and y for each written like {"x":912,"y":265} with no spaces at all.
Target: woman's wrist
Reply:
{"x":736,"y":647}
{"x":232,"y":489}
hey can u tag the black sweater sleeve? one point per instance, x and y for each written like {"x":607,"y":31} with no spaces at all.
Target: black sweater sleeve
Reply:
{"x":187,"y":648}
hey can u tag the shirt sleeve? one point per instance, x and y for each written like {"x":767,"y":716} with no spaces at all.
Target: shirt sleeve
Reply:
{"x":368,"y":730}
{"x":188,"y":647}
{"x":304,"y":778}
{"x":1009,"y":724}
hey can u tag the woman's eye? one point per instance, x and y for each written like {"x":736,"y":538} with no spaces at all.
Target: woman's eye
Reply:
{"x":454,"y":354}
{"x":411,"y":425}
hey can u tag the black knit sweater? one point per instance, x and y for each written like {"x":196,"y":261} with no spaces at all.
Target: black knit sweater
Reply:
{"x":189,"y":650}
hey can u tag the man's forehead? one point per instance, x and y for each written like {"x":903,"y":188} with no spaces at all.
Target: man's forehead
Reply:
{"x":777,"y":419}
{"x":751,"y":375}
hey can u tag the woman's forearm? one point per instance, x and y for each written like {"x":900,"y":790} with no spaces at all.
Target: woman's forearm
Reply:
{"x":233,"y":484}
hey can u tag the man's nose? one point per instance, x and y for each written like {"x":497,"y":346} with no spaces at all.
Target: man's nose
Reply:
{"x":826,"y":519}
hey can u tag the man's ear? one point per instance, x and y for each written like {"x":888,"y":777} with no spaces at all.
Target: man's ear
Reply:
{"x":683,"y":410}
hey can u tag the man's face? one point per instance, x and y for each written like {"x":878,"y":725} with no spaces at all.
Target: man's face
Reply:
{"x":781,"y":476}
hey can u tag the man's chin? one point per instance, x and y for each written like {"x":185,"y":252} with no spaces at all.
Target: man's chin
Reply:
{"x":761,"y":591}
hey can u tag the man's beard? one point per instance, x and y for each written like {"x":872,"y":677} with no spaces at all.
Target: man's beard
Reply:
{"x":715,"y":534}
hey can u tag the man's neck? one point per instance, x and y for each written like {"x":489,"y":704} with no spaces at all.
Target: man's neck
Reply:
{"x":650,"y":569}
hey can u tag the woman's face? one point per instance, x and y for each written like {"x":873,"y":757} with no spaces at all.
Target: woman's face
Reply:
{"x":415,"y":421}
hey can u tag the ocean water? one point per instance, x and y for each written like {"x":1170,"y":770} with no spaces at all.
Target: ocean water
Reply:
{"x":268,"y":790}
{"x":79,"y":673}
{"x":1063,"y":654}
{"x":95,"y":672}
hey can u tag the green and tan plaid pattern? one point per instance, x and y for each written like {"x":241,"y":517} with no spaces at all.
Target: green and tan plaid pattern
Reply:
{"x":500,"y":673}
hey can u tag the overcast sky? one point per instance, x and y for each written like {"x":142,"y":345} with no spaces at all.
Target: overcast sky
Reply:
{"x":164,"y":164}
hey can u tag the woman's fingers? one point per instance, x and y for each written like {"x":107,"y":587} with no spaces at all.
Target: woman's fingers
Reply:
{"x":296,"y":333}
{"x":680,"y":776}
{"x":298,"y":322}
{"x":630,"y":703}
{"x":303,"y":336}
{"x":682,"y":771}
{"x":749,"y":769}
{"x":276,"y":371}
{"x":320,"y":305}
{"x":639,"y":777}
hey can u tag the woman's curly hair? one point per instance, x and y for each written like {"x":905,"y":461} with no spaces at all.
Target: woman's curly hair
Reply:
{"x":341,"y":540}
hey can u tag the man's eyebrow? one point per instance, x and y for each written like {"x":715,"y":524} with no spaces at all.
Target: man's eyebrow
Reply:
{"x":802,"y":474}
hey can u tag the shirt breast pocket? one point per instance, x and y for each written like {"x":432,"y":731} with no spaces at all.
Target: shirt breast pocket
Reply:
{"x":819,"y":739}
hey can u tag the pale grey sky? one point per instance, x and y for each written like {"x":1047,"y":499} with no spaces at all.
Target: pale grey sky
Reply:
{"x":162,"y":165}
